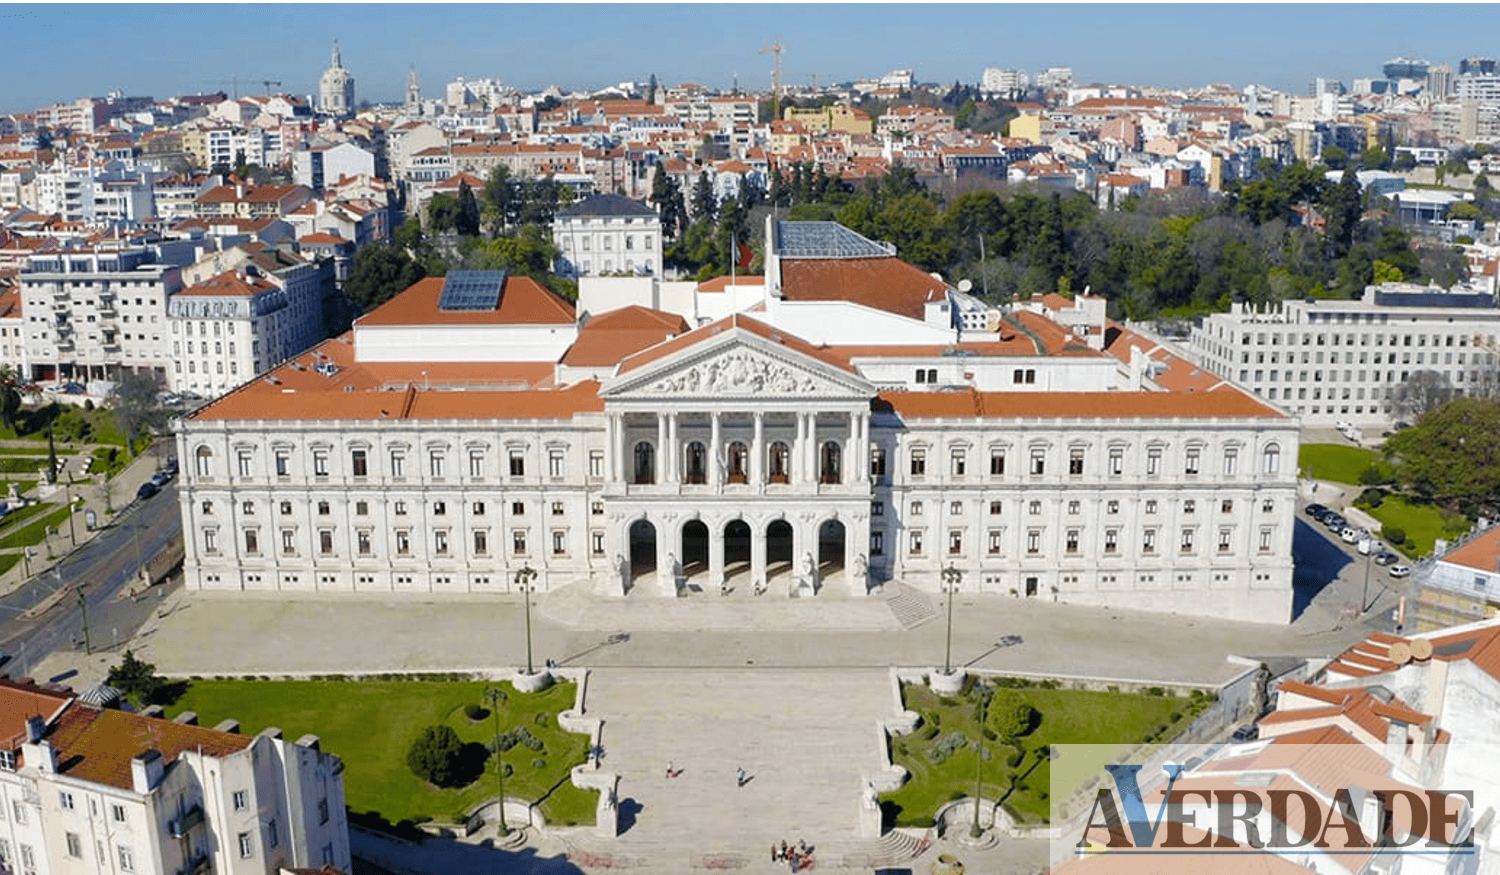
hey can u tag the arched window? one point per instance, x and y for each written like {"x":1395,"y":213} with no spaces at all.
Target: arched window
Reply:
{"x":204,"y":462}
{"x":737,"y":461}
{"x":645,"y":463}
{"x":1270,"y":459}
{"x":696,"y":469}
{"x":779,"y":456}
{"x":828,"y":469}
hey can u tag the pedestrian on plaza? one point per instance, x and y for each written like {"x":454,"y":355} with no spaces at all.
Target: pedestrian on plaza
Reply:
{"x":784,"y":849}
{"x":740,"y":777}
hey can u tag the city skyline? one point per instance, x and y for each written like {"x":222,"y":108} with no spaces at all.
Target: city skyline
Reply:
{"x":236,"y":48}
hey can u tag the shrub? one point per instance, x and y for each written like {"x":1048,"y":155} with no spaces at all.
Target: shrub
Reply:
{"x":434,"y":755}
{"x":1154,"y":691}
{"x":1371,"y":498}
{"x":1393,"y":534}
{"x":929,"y":733}
{"x":1013,"y":758}
{"x":541,"y":718}
{"x":475,"y":711}
{"x":539,"y":764}
{"x":1112,"y":688}
{"x":1174,"y":716}
{"x":956,"y":795}
{"x":936,"y":719}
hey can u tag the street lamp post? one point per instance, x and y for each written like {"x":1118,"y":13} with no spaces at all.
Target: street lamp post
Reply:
{"x":72,"y":532}
{"x":1364,"y":592}
{"x":983,"y":691}
{"x":951,"y":578}
{"x":524,"y":576}
{"x":83,"y":607}
{"x":494,"y":695}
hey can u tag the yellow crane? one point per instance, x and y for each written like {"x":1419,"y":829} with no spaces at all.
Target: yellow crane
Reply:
{"x":775,"y":49}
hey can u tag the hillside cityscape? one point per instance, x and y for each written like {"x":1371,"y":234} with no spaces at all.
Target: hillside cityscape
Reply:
{"x":883,"y":476}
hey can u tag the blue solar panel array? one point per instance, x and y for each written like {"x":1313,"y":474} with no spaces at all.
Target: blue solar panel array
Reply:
{"x":472,"y":290}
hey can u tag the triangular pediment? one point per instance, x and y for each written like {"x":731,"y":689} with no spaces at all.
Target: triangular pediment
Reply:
{"x":738,"y":364}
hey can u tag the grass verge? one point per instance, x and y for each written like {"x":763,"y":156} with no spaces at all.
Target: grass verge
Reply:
{"x":371,"y":724}
{"x":1337,"y":462}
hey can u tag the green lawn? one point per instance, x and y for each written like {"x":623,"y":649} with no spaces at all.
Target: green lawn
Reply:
{"x":8,"y":561}
{"x":1341,"y":463}
{"x":1068,"y":717}
{"x":17,"y":464}
{"x":35,"y":531}
{"x":1423,"y":523}
{"x":371,"y":724}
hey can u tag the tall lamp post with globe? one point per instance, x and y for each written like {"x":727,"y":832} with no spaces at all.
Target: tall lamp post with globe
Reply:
{"x":524,"y":577}
{"x":951,"y":579}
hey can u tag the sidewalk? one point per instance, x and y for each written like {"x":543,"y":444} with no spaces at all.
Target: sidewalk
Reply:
{"x":122,"y":490}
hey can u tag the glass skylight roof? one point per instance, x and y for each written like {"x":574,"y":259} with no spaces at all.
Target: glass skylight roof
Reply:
{"x":471,"y":290}
{"x":826,"y":240}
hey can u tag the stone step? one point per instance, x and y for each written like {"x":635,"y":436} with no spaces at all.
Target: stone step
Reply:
{"x":911,"y":607}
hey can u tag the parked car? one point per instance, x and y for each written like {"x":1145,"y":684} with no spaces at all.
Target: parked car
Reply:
{"x":1349,"y":536}
{"x":1369,"y":545}
{"x":1334,"y":522}
{"x":160,"y":479}
{"x":1248,"y":732}
{"x":171,"y":467}
{"x":73,"y":389}
{"x":1386,"y":557}
{"x":147,"y":490}
{"x":1399,"y":570}
{"x":1315,"y":510}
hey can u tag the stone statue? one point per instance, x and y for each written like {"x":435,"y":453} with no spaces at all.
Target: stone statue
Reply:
{"x":1260,"y":695}
{"x":861,"y":565}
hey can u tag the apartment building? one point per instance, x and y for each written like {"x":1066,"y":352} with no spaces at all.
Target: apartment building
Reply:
{"x":85,"y":788}
{"x":606,"y":234}
{"x":833,"y":433}
{"x":94,"y":315}
{"x":1329,"y":360}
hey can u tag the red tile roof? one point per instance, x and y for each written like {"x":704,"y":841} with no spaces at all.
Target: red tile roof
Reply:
{"x":20,"y":701}
{"x":97,"y":745}
{"x":1071,"y":405}
{"x":614,"y":336}
{"x":523,"y":301}
{"x":884,"y":283}
{"x":230,"y":282}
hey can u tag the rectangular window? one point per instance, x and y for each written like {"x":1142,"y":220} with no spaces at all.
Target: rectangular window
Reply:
{"x":996,"y":541}
{"x":244,"y":842}
{"x":918,"y":462}
{"x":75,"y":846}
{"x":955,"y":542}
{"x":403,"y":542}
{"x":596,"y":541}
{"x":518,"y":542}
{"x":440,"y":542}
{"x":957,"y":463}
{"x":1111,"y":540}
{"x":17,"y":811}
{"x":244,"y":464}
{"x":1075,"y":463}
{"x":555,"y":463}
{"x":877,"y":543}
{"x":210,"y":540}
{"x":914,"y":542}
{"x":559,"y":543}
{"x":997,"y":463}
{"x":1112,"y":507}
{"x":272,"y":838}
{"x":239,"y":800}
{"x":517,"y":464}
{"x":1187,"y":540}
{"x":398,"y":464}
{"x":252,"y":542}
{"x":476,"y":463}
{"x":1148,"y":541}
{"x":117,"y":812}
{"x":877,"y":508}
{"x":996,"y":507}
{"x":518,"y":508}
{"x":325,"y":542}
{"x":320,"y":464}
{"x":596,"y":463}
{"x":1153,"y":463}
{"x":1226,"y":538}
{"x":1071,"y":540}
{"x":1226,"y":506}
{"x":247,"y":507}
{"x":559,"y":509}
{"x":362,"y":540}
{"x":65,"y":800}
{"x":1189,"y":506}
{"x":440,"y":508}
{"x":283,"y":464}
{"x":955,"y":508}
{"x":435,"y":462}
{"x":361,"y":508}
{"x":877,"y":463}
{"x":1265,"y":539}
{"x":359,"y":463}
{"x":289,"y":542}
{"x":127,"y":859}
{"x":1191,"y":466}
{"x":477,"y":508}
{"x":1038,"y":462}
{"x":1033,"y":541}
{"x":399,"y":508}
{"x":916,"y":508}
{"x":1231,"y":462}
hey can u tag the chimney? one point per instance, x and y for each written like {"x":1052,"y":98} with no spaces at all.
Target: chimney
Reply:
{"x":40,"y":755}
{"x":35,"y":726}
{"x":146,"y":771}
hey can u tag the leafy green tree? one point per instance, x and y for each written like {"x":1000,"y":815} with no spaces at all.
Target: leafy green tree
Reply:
{"x":1385,"y":272}
{"x":466,"y":220}
{"x":135,"y":679}
{"x":501,"y":200}
{"x":380,"y":272}
{"x":1421,"y":392}
{"x":1335,"y":157}
{"x":442,"y":213}
{"x":436,"y":756}
{"x":529,"y":251}
{"x":704,"y":206}
{"x":136,"y":403}
{"x":1010,"y":715}
{"x":1452,"y":452}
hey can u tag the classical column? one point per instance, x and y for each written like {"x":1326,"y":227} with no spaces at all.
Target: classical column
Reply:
{"x":716,"y":555}
{"x":758,"y":554}
{"x":666,"y":559}
{"x":715,"y":453}
{"x":758,"y":454}
{"x":674,"y":464}
{"x":610,"y":443}
{"x":849,"y":475}
{"x":856,"y":541}
{"x":662,"y":453}
{"x":799,"y":450}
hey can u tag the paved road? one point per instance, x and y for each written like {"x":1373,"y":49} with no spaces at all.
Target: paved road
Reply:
{"x":44,"y":616}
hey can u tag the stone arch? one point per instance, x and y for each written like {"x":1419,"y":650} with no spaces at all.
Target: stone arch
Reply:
{"x":640,"y":543}
{"x":780,"y":547}
{"x":832,"y":540}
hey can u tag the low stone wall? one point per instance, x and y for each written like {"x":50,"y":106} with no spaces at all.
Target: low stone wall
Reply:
{"x":589,"y":776}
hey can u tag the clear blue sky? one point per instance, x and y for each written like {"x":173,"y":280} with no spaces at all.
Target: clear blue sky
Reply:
{"x":56,"y":52}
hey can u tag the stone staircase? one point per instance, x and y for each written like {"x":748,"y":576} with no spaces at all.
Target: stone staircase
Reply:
{"x":911,"y":607}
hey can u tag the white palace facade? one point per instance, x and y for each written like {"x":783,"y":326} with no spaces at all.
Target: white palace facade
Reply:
{"x":821,"y":431}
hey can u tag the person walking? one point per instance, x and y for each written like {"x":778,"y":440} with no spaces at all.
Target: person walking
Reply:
{"x":740,"y":777}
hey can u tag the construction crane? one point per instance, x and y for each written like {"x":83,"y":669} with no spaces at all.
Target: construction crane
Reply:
{"x":235,"y":82}
{"x":268,"y":83}
{"x":775,"y":49}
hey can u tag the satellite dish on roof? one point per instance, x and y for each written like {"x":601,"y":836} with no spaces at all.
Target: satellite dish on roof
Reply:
{"x":1421,"y":648}
{"x":965,"y":285}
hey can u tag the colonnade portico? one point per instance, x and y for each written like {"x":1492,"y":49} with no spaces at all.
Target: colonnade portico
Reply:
{"x":751,"y":448}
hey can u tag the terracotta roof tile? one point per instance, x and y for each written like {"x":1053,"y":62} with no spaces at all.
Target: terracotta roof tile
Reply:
{"x":97,"y":745}
{"x":523,"y":301}
{"x":614,"y":336}
{"x":1072,"y":405}
{"x":20,"y":701}
{"x":884,"y":283}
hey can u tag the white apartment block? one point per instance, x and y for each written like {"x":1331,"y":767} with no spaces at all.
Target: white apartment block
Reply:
{"x":833,"y":438}
{"x":86,"y":789}
{"x":1330,"y":360}
{"x":608,"y":234}
{"x":93,"y":315}
{"x":230,"y":327}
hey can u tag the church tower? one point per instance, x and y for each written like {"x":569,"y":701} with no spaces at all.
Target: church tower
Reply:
{"x":336,"y":88}
{"x":413,"y":94}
